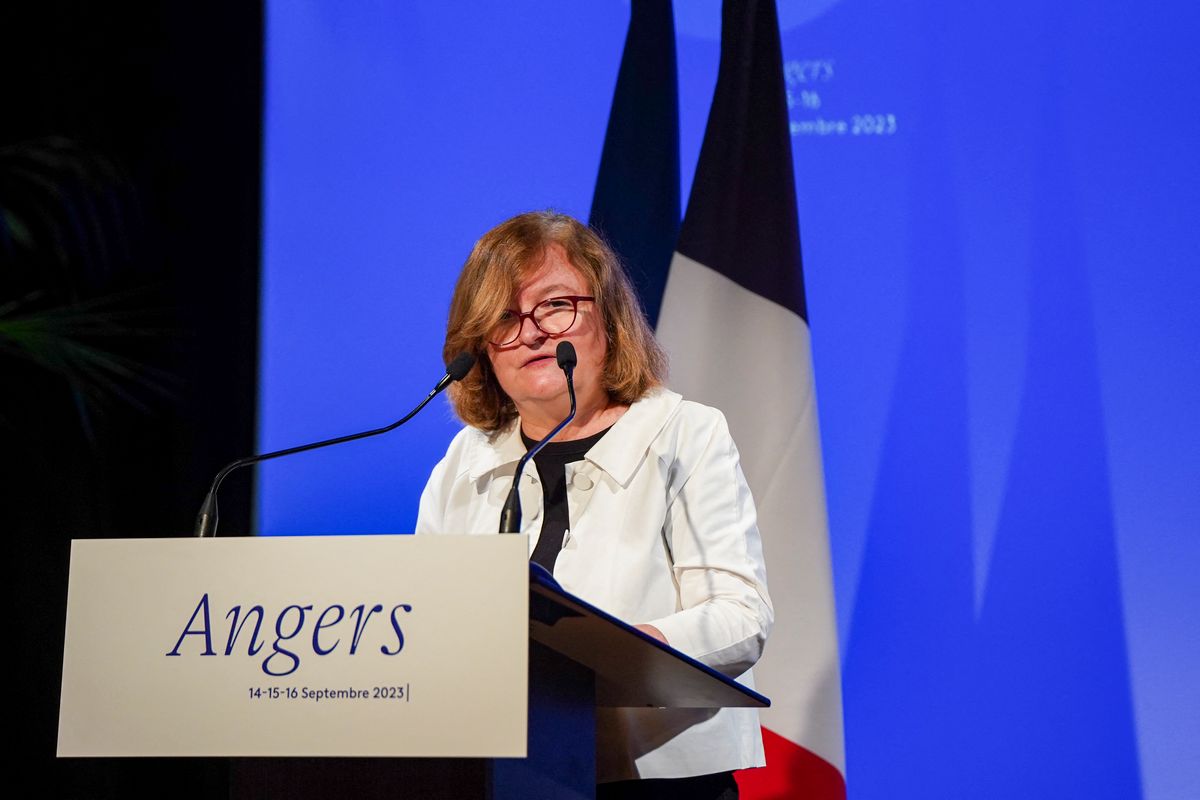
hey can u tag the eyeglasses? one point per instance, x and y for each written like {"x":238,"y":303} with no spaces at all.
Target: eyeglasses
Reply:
{"x":552,"y":317}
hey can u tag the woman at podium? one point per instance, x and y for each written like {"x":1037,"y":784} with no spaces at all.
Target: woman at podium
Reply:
{"x":638,"y":505}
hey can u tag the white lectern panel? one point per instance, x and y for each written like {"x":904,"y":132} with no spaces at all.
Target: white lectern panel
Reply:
{"x":305,"y":646}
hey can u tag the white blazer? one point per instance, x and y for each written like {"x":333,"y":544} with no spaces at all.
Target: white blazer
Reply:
{"x":662,"y":531}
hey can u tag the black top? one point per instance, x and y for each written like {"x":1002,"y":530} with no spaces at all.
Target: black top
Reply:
{"x":551,"y":465}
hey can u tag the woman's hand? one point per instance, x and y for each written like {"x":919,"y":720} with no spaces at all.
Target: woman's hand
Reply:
{"x":653,"y":632}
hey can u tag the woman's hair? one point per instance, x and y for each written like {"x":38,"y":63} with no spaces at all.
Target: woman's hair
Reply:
{"x":500,"y":260}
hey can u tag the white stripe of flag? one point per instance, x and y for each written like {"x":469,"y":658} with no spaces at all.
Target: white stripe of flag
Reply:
{"x":733,"y":321}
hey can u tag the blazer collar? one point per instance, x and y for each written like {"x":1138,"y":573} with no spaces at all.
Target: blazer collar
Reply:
{"x":619,"y":453}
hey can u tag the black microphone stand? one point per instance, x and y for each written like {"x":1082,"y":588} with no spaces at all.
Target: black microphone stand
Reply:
{"x":206,"y":520}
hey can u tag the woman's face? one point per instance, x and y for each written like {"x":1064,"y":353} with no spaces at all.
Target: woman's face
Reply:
{"x":527,"y":369}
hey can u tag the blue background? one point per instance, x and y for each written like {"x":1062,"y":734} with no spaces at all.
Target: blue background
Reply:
{"x":1003,"y":294}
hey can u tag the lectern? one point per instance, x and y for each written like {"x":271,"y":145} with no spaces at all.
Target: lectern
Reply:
{"x":356,"y":666}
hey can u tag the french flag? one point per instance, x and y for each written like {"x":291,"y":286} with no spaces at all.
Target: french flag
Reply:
{"x":729,"y":307}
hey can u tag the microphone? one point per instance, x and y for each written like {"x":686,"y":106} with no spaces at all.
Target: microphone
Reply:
{"x":510,"y":516}
{"x":206,"y":520}
{"x":565,"y":355}
{"x":456,"y":370}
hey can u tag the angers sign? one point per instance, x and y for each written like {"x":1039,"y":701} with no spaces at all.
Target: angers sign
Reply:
{"x":289,"y":623}
{"x":297,"y":646}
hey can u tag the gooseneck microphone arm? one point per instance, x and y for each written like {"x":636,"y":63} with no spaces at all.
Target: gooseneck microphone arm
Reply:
{"x":206,"y":520}
{"x":510,"y":517}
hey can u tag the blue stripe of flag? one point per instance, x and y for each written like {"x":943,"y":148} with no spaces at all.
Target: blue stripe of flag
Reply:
{"x":636,"y":201}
